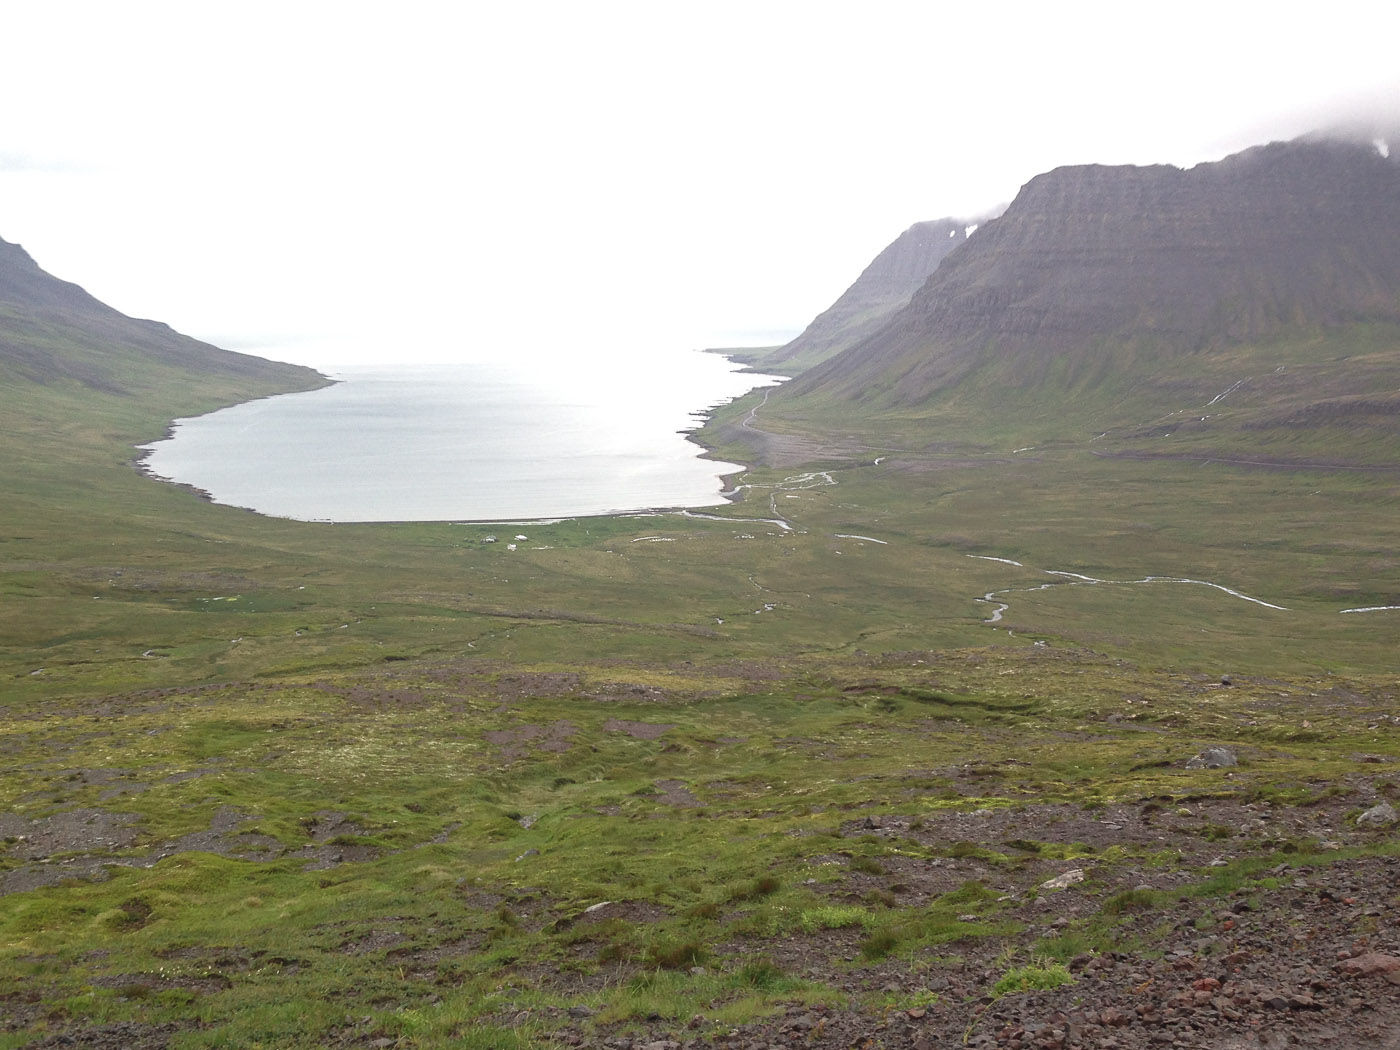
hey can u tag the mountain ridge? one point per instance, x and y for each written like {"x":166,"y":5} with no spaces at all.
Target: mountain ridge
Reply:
{"x":1177,"y":260}
{"x":53,"y":330}
{"x":886,"y":285}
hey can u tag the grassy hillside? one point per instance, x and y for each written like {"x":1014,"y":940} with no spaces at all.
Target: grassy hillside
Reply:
{"x":284,"y":784}
{"x":1122,"y":486}
{"x":54,"y":334}
{"x":797,"y":776}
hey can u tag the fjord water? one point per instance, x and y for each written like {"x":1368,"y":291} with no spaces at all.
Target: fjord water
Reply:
{"x":480,"y":441}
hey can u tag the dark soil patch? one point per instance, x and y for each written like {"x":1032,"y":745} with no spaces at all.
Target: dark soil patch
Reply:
{"x":126,"y":1035}
{"x":638,"y":730}
{"x":525,"y":684}
{"x":232,"y":960}
{"x":749,"y":670}
{"x":675,"y":793}
{"x":101,"y":839}
{"x":138,"y":985}
{"x":459,"y":948}
{"x":625,"y":693}
{"x":375,"y":941}
{"x":519,"y":741}
{"x":69,"y":831}
{"x":630,"y":911}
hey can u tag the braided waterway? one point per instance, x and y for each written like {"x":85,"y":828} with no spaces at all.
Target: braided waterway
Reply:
{"x":496,"y":441}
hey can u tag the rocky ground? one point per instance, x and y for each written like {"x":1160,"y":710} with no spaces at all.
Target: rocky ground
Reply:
{"x":1312,"y":960}
{"x":1115,"y":902}
{"x":1301,"y":955}
{"x":1316,"y":962}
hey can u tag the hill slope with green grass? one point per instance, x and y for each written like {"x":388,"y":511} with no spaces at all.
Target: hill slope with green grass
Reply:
{"x":54,"y":333}
{"x":895,"y":750}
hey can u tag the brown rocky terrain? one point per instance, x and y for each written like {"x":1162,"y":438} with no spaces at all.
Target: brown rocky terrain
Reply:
{"x":1308,"y":956}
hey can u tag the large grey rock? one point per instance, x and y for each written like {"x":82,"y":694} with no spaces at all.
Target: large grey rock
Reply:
{"x":1378,"y":816}
{"x":1067,"y":879}
{"x":1214,"y":758}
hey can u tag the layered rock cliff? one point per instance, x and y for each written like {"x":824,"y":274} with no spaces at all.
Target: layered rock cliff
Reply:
{"x":886,"y":285}
{"x":1166,"y":259}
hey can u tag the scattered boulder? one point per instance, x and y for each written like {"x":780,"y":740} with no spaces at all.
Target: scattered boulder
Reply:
{"x":1370,"y":965}
{"x":1060,"y":882}
{"x":1213,"y":758}
{"x":1379,"y":816}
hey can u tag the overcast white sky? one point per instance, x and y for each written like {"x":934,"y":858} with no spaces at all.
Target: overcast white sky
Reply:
{"x":337,"y":182}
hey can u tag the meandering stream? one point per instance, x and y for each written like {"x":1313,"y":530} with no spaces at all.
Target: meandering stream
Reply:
{"x":1073,"y":579}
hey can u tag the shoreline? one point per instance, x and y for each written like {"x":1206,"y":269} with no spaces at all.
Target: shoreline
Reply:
{"x":729,"y":494}
{"x":145,"y":450}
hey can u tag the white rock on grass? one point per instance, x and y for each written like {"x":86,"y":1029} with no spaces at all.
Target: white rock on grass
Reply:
{"x":1213,"y":758}
{"x":1379,"y":816}
{"x":1060,"y":882}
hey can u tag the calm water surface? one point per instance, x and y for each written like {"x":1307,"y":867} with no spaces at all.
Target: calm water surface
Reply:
{"x":483,"y":442}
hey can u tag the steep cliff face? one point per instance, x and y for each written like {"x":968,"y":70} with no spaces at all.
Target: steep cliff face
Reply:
{"x":1168,"y":260}
{"x":886,"y":285}
{"x":53,"y":330}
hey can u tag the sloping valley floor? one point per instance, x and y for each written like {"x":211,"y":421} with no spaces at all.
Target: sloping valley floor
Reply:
{"x":895,"y":751}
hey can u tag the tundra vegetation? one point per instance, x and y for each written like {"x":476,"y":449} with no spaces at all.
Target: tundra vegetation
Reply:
{"x":270,"y":783}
